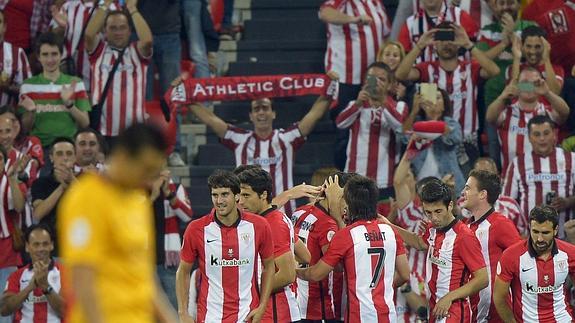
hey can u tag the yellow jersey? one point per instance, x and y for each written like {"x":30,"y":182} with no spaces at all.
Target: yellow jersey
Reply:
{"x":109,"y":229}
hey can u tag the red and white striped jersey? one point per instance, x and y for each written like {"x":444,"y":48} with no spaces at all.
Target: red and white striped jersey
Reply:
{"x":315,"y":228}
{"x":405,"y":314}
{"x":453,"y":255}
{"x":36,"y":307}
{"x":275,"y":154}
{"x":506,"y":206}
{"x":538,"y":285}
{"x":124,"y":104}
{"x":372,"y":148}
{"x":559,"y":72}
{"x":368,"y":251}
{"x":282,"y":306}
{"x":420,"y":22}
{"x":227,"y":263}
{"x":412,"y":218}
{"x":339,"y":299}
{"x":461,"y":85}
{"x":478,"y":10}
{"x":181,"y":209}
{"x":512,"y":130}
{"x":351,"y":48}
{"x":7,"y":217}
{"x":14,"y":67}
{"x":530,"y":177}
{"x":495,"y":233}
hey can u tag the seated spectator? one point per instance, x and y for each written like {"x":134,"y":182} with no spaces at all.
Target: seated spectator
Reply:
{"x":54,"y":104}
{"x":372,"y":149}
{"x":439,"y":159}
{"x":432,"y":14}
{"x":33,"y":292}
{"x":15,"y":68}
{"x":48,"y":190}
{"x":459,"y":78}
{"x":513,"y":109}
{"x":392,"y":53}
{"x":89,"y":151}
{"x":535,"y":51}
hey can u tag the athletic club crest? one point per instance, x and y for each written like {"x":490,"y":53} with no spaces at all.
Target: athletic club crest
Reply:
{"x":558,"y":21}
{"x":230,"y":252}
{"x":245,"y":237}
{"x":546,"y":279}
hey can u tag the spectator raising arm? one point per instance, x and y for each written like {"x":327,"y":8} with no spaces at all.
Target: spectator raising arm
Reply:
{"x":405,"y":71}
{"x":145,"y":40}
{"x":488,"y":68}
{"x":333,"y":16}
{"x":95,"y":25}
{"x":496,"y":108}
{"x":210,"y":119}
{"x":317,"y":111}
{"x":560,"y":109}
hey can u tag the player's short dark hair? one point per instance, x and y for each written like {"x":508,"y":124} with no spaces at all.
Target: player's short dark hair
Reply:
{"x":361,"y":195}
{"x":259,"y":180}
{"x":60,"y":140}
{"x":35,"y":227}
{"x":136,"y":138}
{"x":424,"y":181}
{"x":532,"y":31}
{"x":122,"y":12}
{"x":385,"y":67}
{"x":436,"y":191}
{"x":543,"y":213}
{"x":489,"y":182}
{"x":49,"y":38}
{"x":242,"y":168}
{"x":488,"y":160}
{"x":224,"y":179}
{"x":540,"y":119}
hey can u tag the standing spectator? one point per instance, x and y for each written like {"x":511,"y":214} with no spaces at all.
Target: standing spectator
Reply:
{"x":89,"y":151}
{"x":33,"y":292}
{"x":535,"y":271}
{"x":14,"y":68}
{"x":370,"y":289}
{"x":356,"y":29}
{"x":54,"y":104}
{"x":235,"y":260}
{"x":170,"y":202}
{"x":513,"y":109}
{"x":26,"y":20}
{"x":439,"y":159}
{"x":372,"y":148}
{"x":256,"y":197}
{"x":455,"y":265}
{"x":107,"y":233}
{"x":192,"y":19}
{"x":125,"y":99}
{"x":12,"y":203}
{"x":432,"y":14}
{"x":167,"y":56}
{"x":535,"y":50}
{"x":494,"y":231}
{"x":459,"y":78}
{"x":273,"y":149}
{"x":545,"y":175}
{"x":47,"y":190}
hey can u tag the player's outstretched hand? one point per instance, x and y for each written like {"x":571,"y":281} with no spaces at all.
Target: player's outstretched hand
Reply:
{"x":441,"y":309}
{"x":255,"y":315}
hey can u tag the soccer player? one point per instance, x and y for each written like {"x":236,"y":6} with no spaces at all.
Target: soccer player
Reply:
{"x":494,"y":231}
{"x":544,"y":175}
{"x":371,"y":253}
{"x":226,"y":243}
{"x":106,"y":226}
{"x":455,"y":268}
{"x":33,"y":292}
{"x":315,"y":226}
{"x":256,"y":196}
{"x":535,"y":270}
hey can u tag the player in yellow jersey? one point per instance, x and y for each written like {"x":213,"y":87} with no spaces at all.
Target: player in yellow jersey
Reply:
{"x":106,"y":234}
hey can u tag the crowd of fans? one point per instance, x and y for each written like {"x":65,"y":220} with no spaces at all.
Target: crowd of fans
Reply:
{"x":454,"y":141}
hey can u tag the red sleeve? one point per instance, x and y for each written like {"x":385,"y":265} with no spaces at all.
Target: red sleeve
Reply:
{"x":13,"y":283}
{"x":404,"y":39}
{"x":470,"y":252}
{"x":188,"y":252}
{"x":265,"y":243}
{"x":326,"y":235}
{"x":423,"y":74}
{"x":400,"y":246}
{"x":469,"y":25}
{"x":281,"y":237}
{"x":337,"y":248}
{"x":333,"y":4}
{"x":506,"y":233}
{"x":507,"y":267}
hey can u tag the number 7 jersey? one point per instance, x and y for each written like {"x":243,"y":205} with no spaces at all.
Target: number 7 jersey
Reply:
{"x":368,"y":250}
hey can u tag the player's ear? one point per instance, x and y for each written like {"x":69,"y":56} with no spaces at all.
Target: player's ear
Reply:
{"x":264,"y":195}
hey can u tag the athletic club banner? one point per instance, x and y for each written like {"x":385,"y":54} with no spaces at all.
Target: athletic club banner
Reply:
{"x":251,"y":88}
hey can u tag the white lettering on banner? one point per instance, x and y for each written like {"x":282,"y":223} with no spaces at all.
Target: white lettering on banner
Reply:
{"x":268,"y":86}
{"x":288,"y":83}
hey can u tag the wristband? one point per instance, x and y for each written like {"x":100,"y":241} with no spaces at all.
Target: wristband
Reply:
{"x":69,"y":104}
{"x":47,"y":290}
